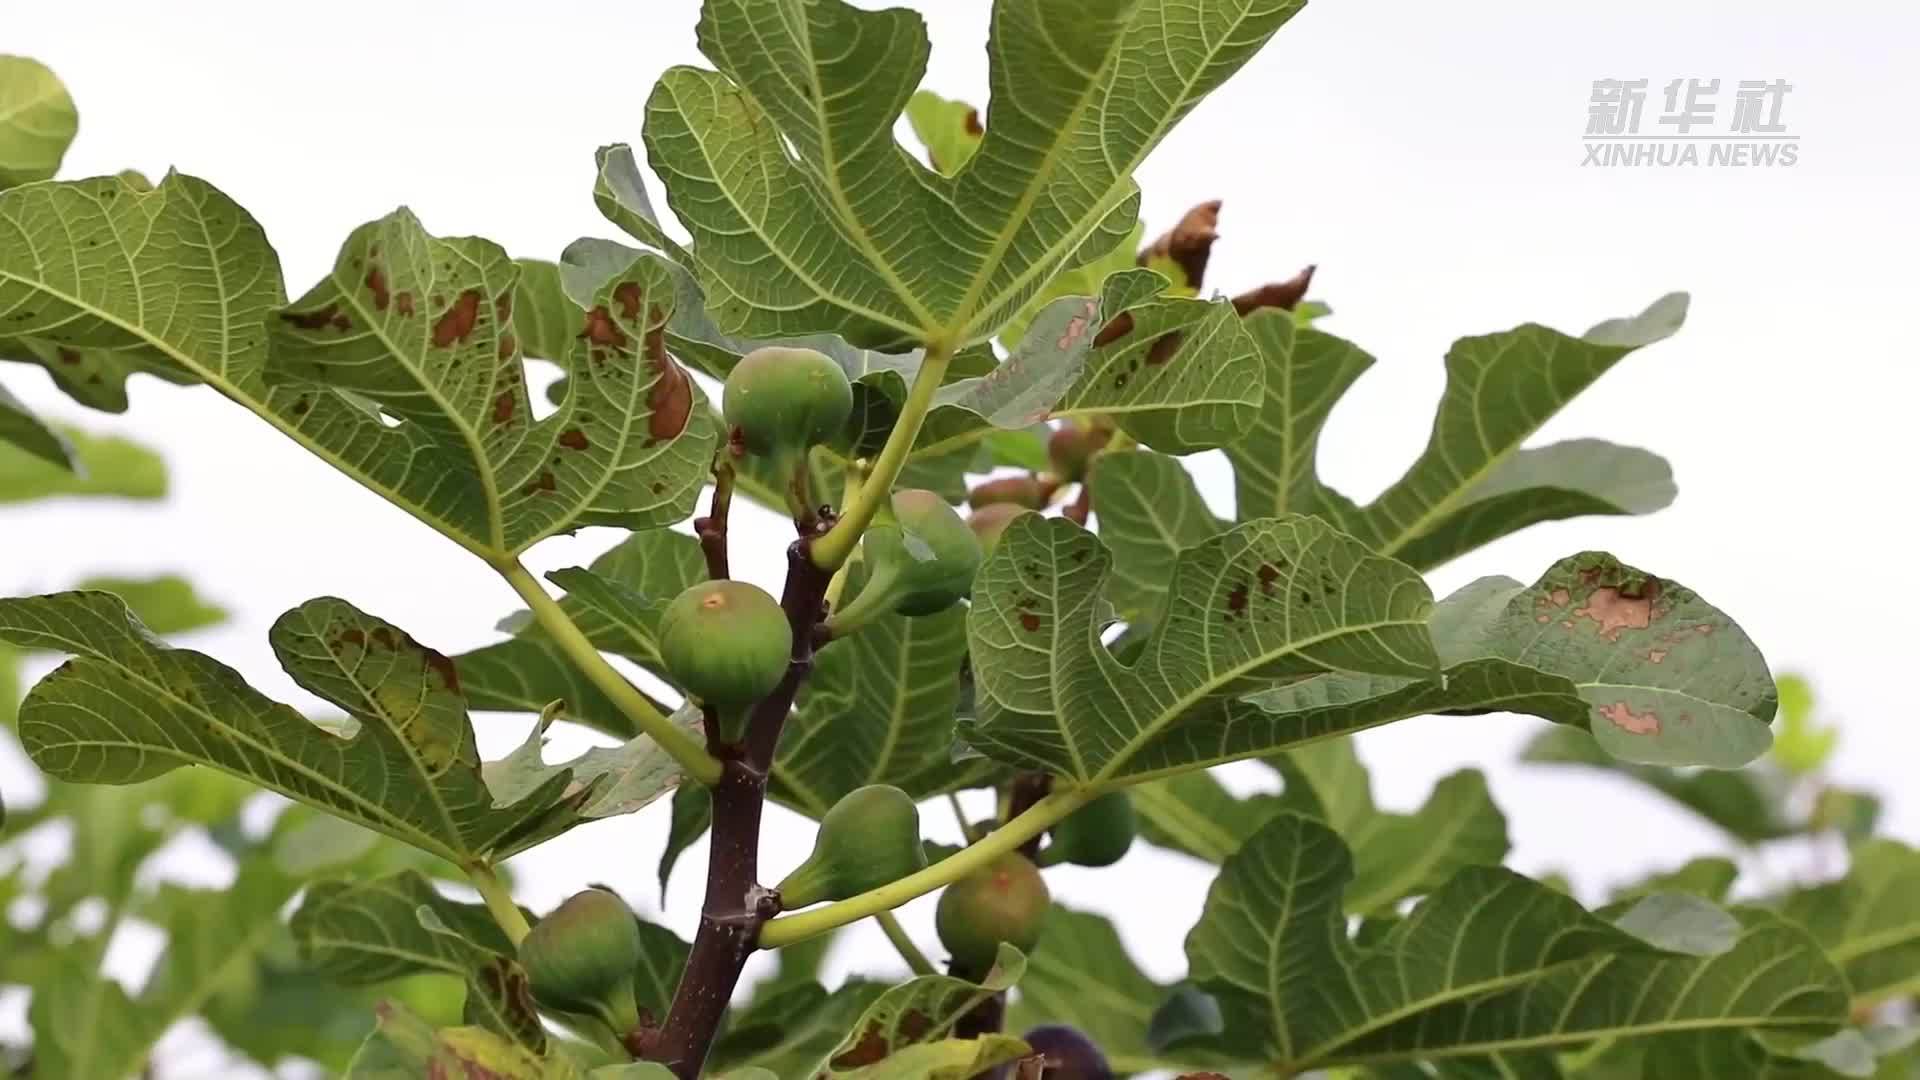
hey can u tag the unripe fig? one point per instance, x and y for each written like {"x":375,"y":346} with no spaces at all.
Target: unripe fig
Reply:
{"x":726,"y":643}
{"x":1070,"y":449}
{"x":1069,"y":1054}
{"x":922,"y":558}
{"x":1018,"y":490}
{"x":1006,"y":901}
{"x":582,"y":956}
{"x":871,"y":837}
{"x":1097,"y":834}
{"x":989,"y":522}
{"x":783,"y":400}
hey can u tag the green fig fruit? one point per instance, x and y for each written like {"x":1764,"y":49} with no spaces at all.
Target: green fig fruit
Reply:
{"x":989,"y":522}
{"x":1018,"y":490}
{"x":1005,"y":901}
{"x":582,"y":956}
{"x":921,"y":558}
{"x":727,"y":643}
{"x":783,"y":400}
{"x":869,"y":838}
{"x":1097,"y":834}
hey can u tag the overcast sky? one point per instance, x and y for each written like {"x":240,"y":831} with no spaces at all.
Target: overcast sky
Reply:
{"x":1428,"y":157}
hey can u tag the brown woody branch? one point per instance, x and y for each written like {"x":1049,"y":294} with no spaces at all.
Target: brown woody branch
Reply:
{"x":736,"y":904}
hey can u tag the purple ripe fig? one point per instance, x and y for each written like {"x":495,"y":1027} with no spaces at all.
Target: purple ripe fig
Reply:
{"x":1068,"y":1054}
{"x":989,"y":522}
{"x":1017,"y":490}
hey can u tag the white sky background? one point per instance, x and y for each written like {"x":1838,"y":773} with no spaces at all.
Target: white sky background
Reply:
{"x":1426,"y":156}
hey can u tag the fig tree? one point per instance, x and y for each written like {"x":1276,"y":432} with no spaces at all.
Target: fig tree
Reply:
{"x":869,"y":838}
{"x":784,"y":400}
{"x":1097,"y":834}
{"x":582,"y":956}
{"x":1005,"y":901}
{"x":1068,"y":1053}
{"x":726,"y":643}
{"x":989,"y":522}
{"x":921,"y":558}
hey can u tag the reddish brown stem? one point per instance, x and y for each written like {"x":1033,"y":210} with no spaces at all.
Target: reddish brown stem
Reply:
{"x":736,"y":904}
{"x":712,"y":529}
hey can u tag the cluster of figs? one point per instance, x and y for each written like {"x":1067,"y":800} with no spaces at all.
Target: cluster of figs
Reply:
{"x":728,"y":644}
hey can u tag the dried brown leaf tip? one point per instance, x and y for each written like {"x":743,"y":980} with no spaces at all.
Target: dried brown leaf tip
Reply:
{"x":1188,"y":243}
{"x":1280,"y":294}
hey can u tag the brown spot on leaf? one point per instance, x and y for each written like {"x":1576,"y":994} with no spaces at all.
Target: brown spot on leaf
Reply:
{"x":1237,"y":600}
{"x":1268,"y":575}
{"x":311,"y":320}
{"x":1280,"y":294}
{"x":503,"y":407}
{"x":458,"y":321}
{"x":573,"y":439}
{"x":627,"y":295}
{"x":1560,"y":597}
{"x":1616,"y":610}
{"x":1656,"y":655}
{"x":543,"y":483}
{"x":872,"y":1048}
{"x":503,"y":306}
{"x":442,"y":665}
{"x":1622,"y":716}
{"x":403,"y":303}
{"x":1076,"y":327}
{"x":377,"y":285}
{"x":354,"y":637}
{"x":384,"y":638}
{"x":670,"y":399}
{"x":69,"y":356}
{"x":342,"y":323}
{"x":1543,"y":618}
{"x":915,"y":1024}
{"x":1188,"y":243}
{"x":1030,"y":621}
{"x":602,"y":330}
{"x":971,"y":123}
{"x":1117,"y":327}
{"x":507,"y":347}
{"x":1163,"y":348}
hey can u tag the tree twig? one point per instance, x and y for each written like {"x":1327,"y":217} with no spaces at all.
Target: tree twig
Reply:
{"x":736,"y":905}
{"x":712,"y":529}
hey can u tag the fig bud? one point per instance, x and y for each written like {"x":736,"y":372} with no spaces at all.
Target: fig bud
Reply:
{"x":871,"y":837}
{"x":921,"y":556}
{"x":582,"y":956}
{"x":783,"y":400}
{"x":726,"y":643}
{"x":989,"y":522}
{"x":1005,"y":901}
{"x":1068,"y":1053}
{"x":1097,"y":834}
{"x":1018,"y":490}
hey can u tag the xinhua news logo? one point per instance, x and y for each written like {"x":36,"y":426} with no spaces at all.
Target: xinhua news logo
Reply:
{"x":1687,"y":133}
